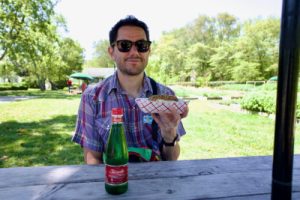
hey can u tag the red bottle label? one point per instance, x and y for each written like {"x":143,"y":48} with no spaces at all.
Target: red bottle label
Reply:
{"x":116,"y":174}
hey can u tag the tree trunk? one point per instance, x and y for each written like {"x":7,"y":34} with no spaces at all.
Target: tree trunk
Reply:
{"x":42,"y":84}
{"x":53,"y":85}
{"x":3,"y":54}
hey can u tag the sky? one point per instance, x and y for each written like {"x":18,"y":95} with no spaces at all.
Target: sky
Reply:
{"x":89,"y":21}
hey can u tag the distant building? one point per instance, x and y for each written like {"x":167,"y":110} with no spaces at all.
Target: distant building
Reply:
{"x":98,"y":73}
{"x":11,"y":79}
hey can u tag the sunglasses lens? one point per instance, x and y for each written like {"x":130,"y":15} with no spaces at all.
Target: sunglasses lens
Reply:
{"x":124,"y":45}
{"x":142,"y":45}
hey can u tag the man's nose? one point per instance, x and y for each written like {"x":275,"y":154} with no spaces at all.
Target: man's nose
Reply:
{"x":133,"y":49}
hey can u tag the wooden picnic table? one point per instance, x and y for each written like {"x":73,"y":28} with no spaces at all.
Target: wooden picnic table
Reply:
{"x":224,"y":178}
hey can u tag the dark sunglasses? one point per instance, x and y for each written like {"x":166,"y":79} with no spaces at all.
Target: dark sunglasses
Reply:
{"x":125,"y":45}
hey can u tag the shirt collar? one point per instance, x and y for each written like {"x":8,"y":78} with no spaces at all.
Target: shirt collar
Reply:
{"x":114,"y":84}
{"x":147,"y":89}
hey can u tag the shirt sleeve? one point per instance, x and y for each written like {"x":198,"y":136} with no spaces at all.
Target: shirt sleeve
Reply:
{"x":85,"y":132}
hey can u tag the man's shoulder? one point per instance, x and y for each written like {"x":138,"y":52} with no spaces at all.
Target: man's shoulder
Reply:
{"x":163,"y":89}
{"x":99,"y":90}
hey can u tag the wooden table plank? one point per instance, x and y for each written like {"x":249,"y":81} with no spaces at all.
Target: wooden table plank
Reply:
{"x":230,"y":185}
{"x":70,"y":174}
{"x":226,"y":178}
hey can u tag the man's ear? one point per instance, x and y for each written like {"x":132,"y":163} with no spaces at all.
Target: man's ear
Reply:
{"x":110,"y":51}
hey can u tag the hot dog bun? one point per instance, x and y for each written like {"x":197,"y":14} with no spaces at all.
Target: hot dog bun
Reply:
{"x":163,"y":97}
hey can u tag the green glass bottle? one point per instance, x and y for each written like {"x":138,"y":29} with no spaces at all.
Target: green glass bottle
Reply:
{"x":116,"y":156}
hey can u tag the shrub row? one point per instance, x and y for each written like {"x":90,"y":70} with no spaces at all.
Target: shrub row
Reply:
{"x":259,"y":102}
{"x":13,"y":86}
{"x":264,"y":101}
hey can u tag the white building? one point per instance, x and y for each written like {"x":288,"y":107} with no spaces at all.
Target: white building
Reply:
{"x":98,"y":73}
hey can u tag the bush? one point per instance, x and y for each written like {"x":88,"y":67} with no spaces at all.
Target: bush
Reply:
{"x":265,"y":102}
{"x":238,"y":87}
{"x":13,"y":86}
{"x":31,"y":82}
{"x":59,"y":84}
{"x":270,"y":86}
{"x":260,"y":102}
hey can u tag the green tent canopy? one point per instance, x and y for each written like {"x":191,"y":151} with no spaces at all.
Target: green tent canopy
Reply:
{"x":274,"y":78}
{"x":82,"y":76}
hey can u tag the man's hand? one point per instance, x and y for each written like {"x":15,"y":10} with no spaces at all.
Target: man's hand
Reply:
{"x":168,"y":123}
{"x":185,"y":113}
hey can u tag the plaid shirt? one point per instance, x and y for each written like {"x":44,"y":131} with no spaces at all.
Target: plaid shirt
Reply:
{"x":94,"y":116}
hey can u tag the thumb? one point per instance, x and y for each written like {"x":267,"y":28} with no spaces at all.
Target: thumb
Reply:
{"x":155,"y":116}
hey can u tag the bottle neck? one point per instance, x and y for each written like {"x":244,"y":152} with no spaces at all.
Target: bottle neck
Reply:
{"x":117,"y":119}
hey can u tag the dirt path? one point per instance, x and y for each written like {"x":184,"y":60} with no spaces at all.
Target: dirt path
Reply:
{"x":7,"y":99}
{"x":232,"y":107}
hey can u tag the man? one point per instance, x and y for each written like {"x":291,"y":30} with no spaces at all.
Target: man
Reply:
{"x":130,"y":49}
{"x":69,"y":84}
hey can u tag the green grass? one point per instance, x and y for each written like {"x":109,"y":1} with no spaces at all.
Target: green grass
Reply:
{"x":213,"y":133}
{"x":186,"y":91}
{"x":38,"y":131}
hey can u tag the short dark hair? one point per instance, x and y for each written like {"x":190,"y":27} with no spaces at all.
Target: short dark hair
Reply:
{"x":130,"y":20}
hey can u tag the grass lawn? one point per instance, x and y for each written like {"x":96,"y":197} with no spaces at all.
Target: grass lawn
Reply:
{"x":38,"y":131}
{"x":214,"y":133}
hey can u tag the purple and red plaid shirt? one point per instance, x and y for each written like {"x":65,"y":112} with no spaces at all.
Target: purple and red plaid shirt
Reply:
{"x":94,"y":116}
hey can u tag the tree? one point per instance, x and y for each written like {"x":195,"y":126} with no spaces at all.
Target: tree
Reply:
{"x":169,"y":57}
{"x":259,"y":45}
{"x":227,"y":27}
{"x":217,"y":48}
{"x":17,"y":18}
{"x":69,"y":58}
{"x":101,"y":57}
{"x":201,"y":30}
{"x":71,"y":54}
{"x":197,"y":59}
{"x":31,"y":45}
{"x":39,"y":54}
{"x":222,"y":62}
{"x":25,"y":28}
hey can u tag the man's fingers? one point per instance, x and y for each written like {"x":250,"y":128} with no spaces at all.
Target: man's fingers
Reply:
{"x":185,"y":112}
{"x":155,"y":116}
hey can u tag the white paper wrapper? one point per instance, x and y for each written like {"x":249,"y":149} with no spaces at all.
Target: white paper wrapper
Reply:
{"x":148,"y":106}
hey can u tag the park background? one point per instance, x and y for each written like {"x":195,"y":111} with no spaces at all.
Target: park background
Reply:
{"x":224,"y":66}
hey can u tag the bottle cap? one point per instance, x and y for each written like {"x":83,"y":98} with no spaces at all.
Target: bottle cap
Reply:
{"x":117,"y":111}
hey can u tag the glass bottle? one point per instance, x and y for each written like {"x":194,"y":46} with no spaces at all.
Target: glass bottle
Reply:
{"x":116,"y":156}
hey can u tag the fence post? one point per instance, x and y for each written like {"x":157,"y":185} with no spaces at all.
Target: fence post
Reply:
{"x":286,"y":100}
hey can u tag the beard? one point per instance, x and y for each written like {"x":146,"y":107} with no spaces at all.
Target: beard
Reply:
{"x":132,"y":69}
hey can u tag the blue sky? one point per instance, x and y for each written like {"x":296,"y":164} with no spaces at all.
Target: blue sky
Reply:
{"x":89,"y":21}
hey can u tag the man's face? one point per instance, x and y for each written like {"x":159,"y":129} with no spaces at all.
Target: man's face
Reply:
{"x":133,"y":62}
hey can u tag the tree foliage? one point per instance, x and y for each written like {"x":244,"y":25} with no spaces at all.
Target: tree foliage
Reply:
{"x":101,"y":56}
{"x":214,"y":48}
{"x":17,"y":18}
{"x":217,"y":48}
{"x":31,"y":45}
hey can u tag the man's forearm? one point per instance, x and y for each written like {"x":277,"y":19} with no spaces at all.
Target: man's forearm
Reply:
{"x":92,"y":157}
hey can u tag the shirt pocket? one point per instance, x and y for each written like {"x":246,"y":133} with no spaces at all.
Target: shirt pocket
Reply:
{"x":103,"y":127}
